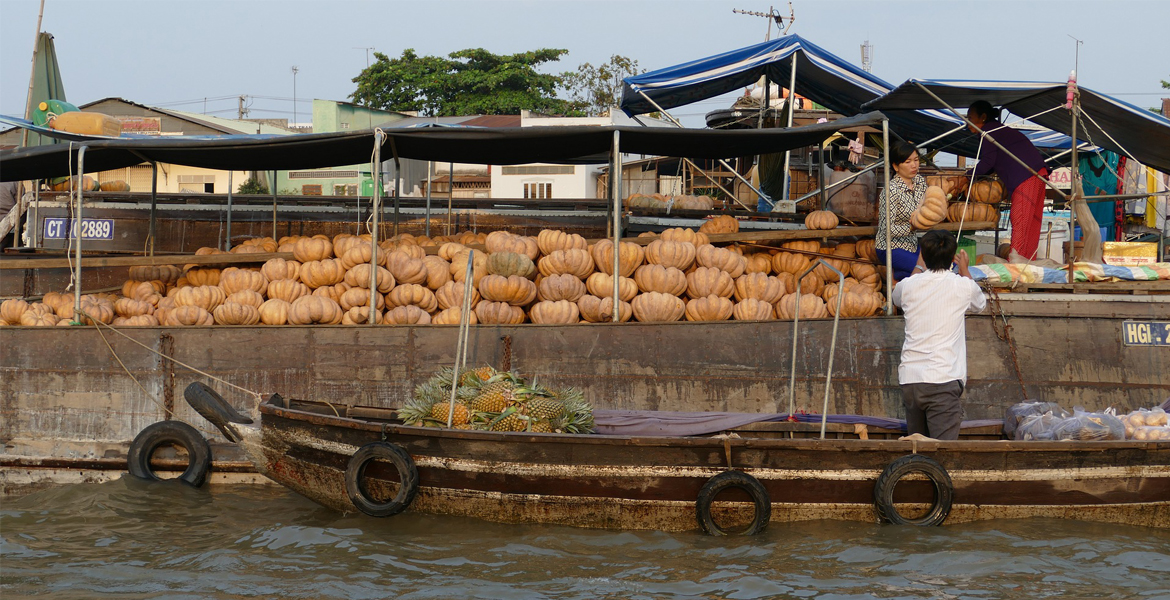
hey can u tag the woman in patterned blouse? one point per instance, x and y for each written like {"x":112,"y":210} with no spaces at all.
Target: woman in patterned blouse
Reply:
{"x":907,"y":189}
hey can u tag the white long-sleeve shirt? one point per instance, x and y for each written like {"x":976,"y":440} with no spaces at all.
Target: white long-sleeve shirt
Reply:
{"x":934,"y":304}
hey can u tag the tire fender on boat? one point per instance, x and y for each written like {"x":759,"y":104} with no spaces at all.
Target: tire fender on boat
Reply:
{"x":733,"y":479}
{"x":883,"y":491}
{"x":211,"y":406}
{"x":170,"y":432}
{"x":355,"y":474}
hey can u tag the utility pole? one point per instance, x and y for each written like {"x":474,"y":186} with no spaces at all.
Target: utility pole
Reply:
{"x":294,"y":72}
{"x":243,"y":110}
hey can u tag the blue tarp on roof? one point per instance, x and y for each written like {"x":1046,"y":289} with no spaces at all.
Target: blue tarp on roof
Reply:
{"x":821,"y":76}
{"x":1108,"y":122}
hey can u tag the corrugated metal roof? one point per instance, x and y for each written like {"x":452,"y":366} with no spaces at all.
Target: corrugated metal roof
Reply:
{"x":229,"y":126}
{"x":493,"y":121}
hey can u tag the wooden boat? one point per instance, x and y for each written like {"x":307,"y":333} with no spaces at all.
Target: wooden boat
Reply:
{"x":675,"y":483}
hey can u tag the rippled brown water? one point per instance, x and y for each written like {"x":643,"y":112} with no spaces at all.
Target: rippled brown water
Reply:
{"x":130,"y":539}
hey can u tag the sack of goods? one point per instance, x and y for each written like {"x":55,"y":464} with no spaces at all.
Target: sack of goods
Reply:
{"x":1047,"y":421}
{"x":1015,"y":415}
{"x":1146,"y":425}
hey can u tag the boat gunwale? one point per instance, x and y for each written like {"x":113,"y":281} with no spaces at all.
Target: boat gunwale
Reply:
{"x":704,"y":441}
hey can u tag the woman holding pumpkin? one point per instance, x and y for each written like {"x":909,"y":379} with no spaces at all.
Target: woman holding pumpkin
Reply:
{"x":907,"y":190}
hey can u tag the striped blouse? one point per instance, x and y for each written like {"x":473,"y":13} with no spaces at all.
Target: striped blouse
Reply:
{"x":906,"y":200}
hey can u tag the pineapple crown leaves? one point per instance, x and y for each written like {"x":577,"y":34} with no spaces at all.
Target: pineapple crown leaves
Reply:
{"x":508,"y":412}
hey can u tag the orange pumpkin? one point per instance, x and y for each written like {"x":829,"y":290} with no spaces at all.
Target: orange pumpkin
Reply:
{"x":360,"y":315}
{"x":413,"y":294}
{"x":971,"y":213}
{"x":867,"y":249}
{"x":478,"y":268}
{"x":189,"y":316}
{"x":560,"y":287}
{"x":721,"y":258}
{"x":313,"y":249}
{"x":126,"y":307}
{"x":231,"y":313}
{"x":932,"y":211}
{"x":11,"y":310}
{"x":198,"y":277}
{"x":408,"y":314}
{"x":515,"y":290}
{"x":438,"y":272}
{"x":167,"y":274}
{"x":597,"y":310}
{"x":233,"y":280}
{"x":680,"y":255}
{"x":575,"y":262}
{"x":811,"y":307}
{"x":821,"y":219}
{"x":709,"y":308}
{"x":988,"y":191}
{"x":758,"y":262}
{"x":502,"y":241}
{"x":249,"y":297}
{"x":852,"y":304}
{"x":760,"y":287}
{"x":630,"y":256}
{"x":332,"y":292}
{"x":752,"y":309}
{"x":657,"y":278}
{"x":551,"y":240}
{"x":274,"y":312}
{"x":601,"y":285}
{"x":359,"y":296}
{"x":360,"y":253}
{"x":407,"y":247}
{"x":308,"y":310}
{"x":450,"y":295}
{"x":287,"y":290}
{"x":867,"y":275}
{"x":653,"y":307}
{"x":359,"y":276}
{"x":709,"y":281}
{"x":206,"y":297}
{"x":680,"y":234}
{"x":558,"y":312}
{"x":448,"y":250}
{"x":720,"y":224}
{"x":828,"y":275}
{"x":451,"y":316}
{"x":405,"y":268}
{"x":498,"y":313}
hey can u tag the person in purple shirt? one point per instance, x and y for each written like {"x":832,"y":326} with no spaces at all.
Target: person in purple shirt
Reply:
{"x":1025,"y":189}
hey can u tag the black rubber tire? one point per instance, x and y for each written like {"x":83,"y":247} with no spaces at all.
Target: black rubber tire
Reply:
{"x":733,"y":479}
{"x":407,"y":474}
{"x":883,"y":491}
{"x":170,"y":432}
{"x":212,"y":406}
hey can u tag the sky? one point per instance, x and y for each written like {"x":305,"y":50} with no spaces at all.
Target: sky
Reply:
{"x":177,"y":53}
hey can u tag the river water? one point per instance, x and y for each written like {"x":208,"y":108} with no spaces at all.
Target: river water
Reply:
{"x":132,"y":539}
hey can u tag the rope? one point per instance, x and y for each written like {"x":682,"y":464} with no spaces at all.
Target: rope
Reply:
{"x":1005,"y":334}
{"x":170,"y":413}
{"x":256,"y":395}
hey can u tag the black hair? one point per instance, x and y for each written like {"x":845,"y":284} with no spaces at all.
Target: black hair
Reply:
{"x":938,"y":249}
{"x":984,"y":109}
{"x":900,"y":152}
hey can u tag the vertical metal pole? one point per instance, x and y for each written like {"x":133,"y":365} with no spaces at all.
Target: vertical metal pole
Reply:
{"x":1074,"y":175}
{"x":377,"y":200}
{"x":450,"y":196}
{"x":430,"y":182}
{"x":227,"y":244}
{"x":791,"y":110}
{"x":36,"y":218}
{"x":153,"y":205}
{"x":274,"y":236}
{"x":821,"y":177}
{"x":886,"y":216}
{"x":616,"y":181}
{"x":397,"y":185}
{"x":77,"y":229}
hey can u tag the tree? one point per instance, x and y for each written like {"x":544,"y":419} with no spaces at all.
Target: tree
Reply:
{"x":472,"y":81}
{"x":1165,"y":86}
{"x":595,"y":90}
{"x":252,"y":185}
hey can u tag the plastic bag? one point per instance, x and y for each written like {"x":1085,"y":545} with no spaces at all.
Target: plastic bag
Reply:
{"x":1015,"y":414}
{"x":1143,"y":418}
{"x":1150,"y":434}
{"x":1085,"y":426}
{"x":1038,"y":427}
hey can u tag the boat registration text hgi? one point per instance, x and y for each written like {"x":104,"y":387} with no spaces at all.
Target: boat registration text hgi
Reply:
{"x":1145,"y":333}
{"x":58,"y":228}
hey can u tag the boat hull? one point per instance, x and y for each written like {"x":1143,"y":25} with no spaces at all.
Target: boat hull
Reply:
{"x":617,"y":482}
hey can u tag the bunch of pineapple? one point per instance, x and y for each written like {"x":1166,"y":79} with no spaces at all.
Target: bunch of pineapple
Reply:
{"x":487,"y":399}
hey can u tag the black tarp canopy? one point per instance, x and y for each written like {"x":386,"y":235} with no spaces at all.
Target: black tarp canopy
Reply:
{"x":1108,"y":122}
{"x":493,"y":146}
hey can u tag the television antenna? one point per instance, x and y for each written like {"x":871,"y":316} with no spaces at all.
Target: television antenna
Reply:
{"x":295,"y":69}
{"x":773,"y":16}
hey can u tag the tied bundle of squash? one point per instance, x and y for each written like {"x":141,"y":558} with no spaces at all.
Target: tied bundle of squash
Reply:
{"x":490,"y":400}
{"x":553,"y":278}
{"x":932,"y":211}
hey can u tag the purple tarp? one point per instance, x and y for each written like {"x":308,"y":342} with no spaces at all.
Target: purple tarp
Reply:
{"x":672,"y":424}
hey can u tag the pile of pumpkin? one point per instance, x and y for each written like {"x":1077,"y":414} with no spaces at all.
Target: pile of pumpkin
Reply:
{"x":982,"y":196}
{"x":552,"y":278}
{"x":664,"y":202}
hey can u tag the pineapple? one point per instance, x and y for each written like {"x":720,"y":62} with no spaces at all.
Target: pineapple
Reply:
{"x":494,"y":397}
{"x":510,"y":420}
{"x":541,"y":427}
{"x":578,"y":415}
{"x":459,"y":416}
{"x":417,"y":410}
{"x":545,"y":409}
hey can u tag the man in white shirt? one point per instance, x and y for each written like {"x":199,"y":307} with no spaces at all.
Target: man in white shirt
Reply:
{"x":933,"y":371}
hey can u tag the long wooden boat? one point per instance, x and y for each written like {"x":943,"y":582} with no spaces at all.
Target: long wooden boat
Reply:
{"x":621,"y":482}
